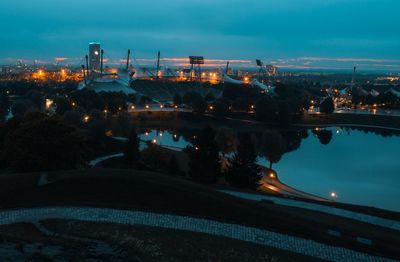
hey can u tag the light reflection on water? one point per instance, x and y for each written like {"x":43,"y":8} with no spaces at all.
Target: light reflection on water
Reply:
{"x":362,"y":168}
{"x":164,"y":138}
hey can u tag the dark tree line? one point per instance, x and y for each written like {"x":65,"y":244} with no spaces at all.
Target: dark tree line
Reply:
{"x":37,"y":142}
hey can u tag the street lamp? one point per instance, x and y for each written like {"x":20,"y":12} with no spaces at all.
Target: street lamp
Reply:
{"x":334,"y":195}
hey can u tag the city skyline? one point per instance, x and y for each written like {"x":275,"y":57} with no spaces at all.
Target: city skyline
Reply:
{"x":333,"y":34}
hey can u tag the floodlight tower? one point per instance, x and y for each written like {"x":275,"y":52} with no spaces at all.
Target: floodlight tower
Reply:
{"x":352,"y":78}
{"x":158,"y":65}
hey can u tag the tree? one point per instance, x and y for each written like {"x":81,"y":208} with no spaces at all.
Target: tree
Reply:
{"x":240,"y":104}
{"x":4,"y":106}
{"x":226,"y":140}
{"x":204,"y":157}
{"x":221,"y":107}
{"x":209,"y":97}
{"x":20,"y":107}
{"x":177,"y":99}
{"x":173,"y":167}
{"x":42,"y":143}
{"x":327,"y":106}
{"x":132,"y":151}
{"x":63,"y":105}
{"x":36,"y":98}
{"x":243,"y":170}
{"x":267,"y":109}
{"x":273,"y":146}
{"x":97,"y":124}
{"x":73,"y":118}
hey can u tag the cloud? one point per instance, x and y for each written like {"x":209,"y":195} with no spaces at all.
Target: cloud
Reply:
{"x":228,"y":29}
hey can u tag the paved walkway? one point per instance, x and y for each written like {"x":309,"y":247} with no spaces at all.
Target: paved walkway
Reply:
{"x":378,"y":221}
{"x":274,"y":184}
{"x":96,"y":161}
{"x":249,"y":234}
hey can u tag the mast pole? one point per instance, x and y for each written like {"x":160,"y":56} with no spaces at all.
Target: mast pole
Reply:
{"x":87,"y":64}
{"x":101,"y":61}
{"x":227,"y":68}
{"x":158,"y":64}
{"x":128,"y":59}
{"x":84,"y":74}
{"x":352,"y":78}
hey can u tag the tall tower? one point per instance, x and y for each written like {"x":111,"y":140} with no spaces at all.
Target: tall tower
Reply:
{"x":94,"y":56}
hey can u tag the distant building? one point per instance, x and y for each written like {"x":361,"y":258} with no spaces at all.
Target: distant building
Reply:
{"x":94,"y":56}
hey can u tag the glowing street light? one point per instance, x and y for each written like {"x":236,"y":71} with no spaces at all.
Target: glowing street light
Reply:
{"x":272,"y":175}
{"x":154,"y":141}
{"x":86,"y":119}
{"x":334,"y":195}
{"x":147,"y":106}
{"x":49,"y":103}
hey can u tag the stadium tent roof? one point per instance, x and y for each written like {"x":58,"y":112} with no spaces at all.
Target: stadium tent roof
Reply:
{"x":344,"y":91}
{"x":255,"y":82}
{"x":230,"y":80}
{"x":374,"y":93}
{"x":394,"y":92}
{"x":106,"y":83}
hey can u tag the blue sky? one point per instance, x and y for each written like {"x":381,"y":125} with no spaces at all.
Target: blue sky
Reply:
{"x":292,"y":33}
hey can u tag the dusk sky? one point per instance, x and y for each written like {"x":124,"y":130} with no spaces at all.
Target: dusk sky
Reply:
{"x":289,"y":33}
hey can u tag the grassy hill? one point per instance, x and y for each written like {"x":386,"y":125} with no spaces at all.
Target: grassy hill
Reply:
{"x":160,"y":193}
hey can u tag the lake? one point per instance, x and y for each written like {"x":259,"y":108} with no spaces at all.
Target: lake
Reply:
{"x":361,"y":168}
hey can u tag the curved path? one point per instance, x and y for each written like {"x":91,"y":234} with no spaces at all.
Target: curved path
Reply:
{"x":347,"y":125}
{"x":315,"y":125}
{"x":249,"y":234}
{"x":96,"y":161}
{"x":374,"y":220}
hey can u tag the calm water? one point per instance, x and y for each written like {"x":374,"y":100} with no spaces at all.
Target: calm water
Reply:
{"x":165,"y":138}
{"x":362,"y":168}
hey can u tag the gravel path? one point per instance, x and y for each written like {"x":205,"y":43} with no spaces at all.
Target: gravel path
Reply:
{"x":254,"y":235}
{"x":379,"y":221}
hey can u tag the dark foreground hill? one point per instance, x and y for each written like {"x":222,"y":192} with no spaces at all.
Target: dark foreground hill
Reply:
{"x":146,"y":191}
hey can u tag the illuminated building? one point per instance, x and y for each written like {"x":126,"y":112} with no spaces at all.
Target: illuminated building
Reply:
{"x":94,"y":56}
